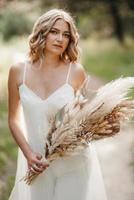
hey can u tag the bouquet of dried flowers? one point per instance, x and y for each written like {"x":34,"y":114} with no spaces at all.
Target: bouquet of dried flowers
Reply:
{"x":84,"y":120}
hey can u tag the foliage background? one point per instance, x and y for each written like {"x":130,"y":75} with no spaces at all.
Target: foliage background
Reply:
{"x":106,"y":29}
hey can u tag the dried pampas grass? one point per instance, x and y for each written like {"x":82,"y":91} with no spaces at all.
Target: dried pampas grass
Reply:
{"x":83,"y":120}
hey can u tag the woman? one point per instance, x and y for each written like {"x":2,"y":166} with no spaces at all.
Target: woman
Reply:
{"x":43,"y":85}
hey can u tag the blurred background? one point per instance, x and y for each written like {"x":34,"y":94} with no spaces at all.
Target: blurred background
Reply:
{"x":106,"y":29}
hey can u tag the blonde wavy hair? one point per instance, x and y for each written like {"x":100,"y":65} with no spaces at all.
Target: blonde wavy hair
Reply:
{"x":42,"y":27}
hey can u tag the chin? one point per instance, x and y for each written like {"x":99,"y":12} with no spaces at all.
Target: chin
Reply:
{"x":56,"y":52}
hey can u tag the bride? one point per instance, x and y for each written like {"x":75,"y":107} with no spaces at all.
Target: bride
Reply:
{"x":41,"y":86}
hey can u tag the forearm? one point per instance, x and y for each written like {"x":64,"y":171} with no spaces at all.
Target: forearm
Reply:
{"x":19,"y":138}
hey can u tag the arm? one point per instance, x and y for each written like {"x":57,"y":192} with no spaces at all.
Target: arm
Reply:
{"x":79,"y":76}
{"x":14,"y":117}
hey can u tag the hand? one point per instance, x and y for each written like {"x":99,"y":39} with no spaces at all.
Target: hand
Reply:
{"x":35,"y":164}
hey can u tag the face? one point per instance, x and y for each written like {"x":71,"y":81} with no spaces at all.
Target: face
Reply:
{"x":57,"y":39}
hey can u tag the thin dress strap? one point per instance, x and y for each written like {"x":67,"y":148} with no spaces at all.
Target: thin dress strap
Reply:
{"x":68,"y":72}
{"x":85,"y":80}
{"x":24,"y":74}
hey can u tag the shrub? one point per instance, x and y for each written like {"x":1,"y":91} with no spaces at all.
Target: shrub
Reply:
{"x":13,"y":24}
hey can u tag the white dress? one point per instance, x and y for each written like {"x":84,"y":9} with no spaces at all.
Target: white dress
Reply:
{"x":75,"y":178}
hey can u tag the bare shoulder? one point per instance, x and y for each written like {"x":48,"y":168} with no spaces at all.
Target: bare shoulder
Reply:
{"x":79,"y":75}
{"x":15,"y":73}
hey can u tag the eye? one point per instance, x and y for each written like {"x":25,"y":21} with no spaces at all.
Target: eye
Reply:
{"x":53,"y":32}
{"x":67,"y":35}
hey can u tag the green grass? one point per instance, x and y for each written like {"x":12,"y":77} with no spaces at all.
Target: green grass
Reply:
{"x":7,"y":144}
{"x":7,"y":190}
{"x":8,"y":155}
{"x":107,"y":59}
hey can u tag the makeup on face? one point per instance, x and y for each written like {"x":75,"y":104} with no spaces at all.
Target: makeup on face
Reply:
{"x":56,"y":31}
{"x":59,"y":36}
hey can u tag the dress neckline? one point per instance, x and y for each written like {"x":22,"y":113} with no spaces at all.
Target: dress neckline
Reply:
{"x":54,"y":92}
{"x":51,"y":95}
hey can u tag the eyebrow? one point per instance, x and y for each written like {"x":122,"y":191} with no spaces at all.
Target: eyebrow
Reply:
{"x":59,"y":30}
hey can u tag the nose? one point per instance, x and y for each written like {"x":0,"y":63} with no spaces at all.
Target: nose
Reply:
{"x":60,"y":37}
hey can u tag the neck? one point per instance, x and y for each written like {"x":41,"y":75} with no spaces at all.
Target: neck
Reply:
{"x":50,"y":60}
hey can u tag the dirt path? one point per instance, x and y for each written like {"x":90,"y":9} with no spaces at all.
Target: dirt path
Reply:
{"x":116,"y":156}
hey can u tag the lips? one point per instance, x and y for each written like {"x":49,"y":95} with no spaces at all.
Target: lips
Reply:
{"x":57,"y":45}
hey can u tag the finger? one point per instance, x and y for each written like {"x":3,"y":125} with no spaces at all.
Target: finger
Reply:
{"x":29,"y":166}
{"x":39,"y":156}
{"x":45,"y":162}
{"x":33,"y":170}
{"x":37,"y":169}
{"x":45,"y":166}
{"x":39,"y":163}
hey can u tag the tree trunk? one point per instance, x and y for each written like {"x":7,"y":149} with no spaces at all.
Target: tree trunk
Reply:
{"x":117,"y":20}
